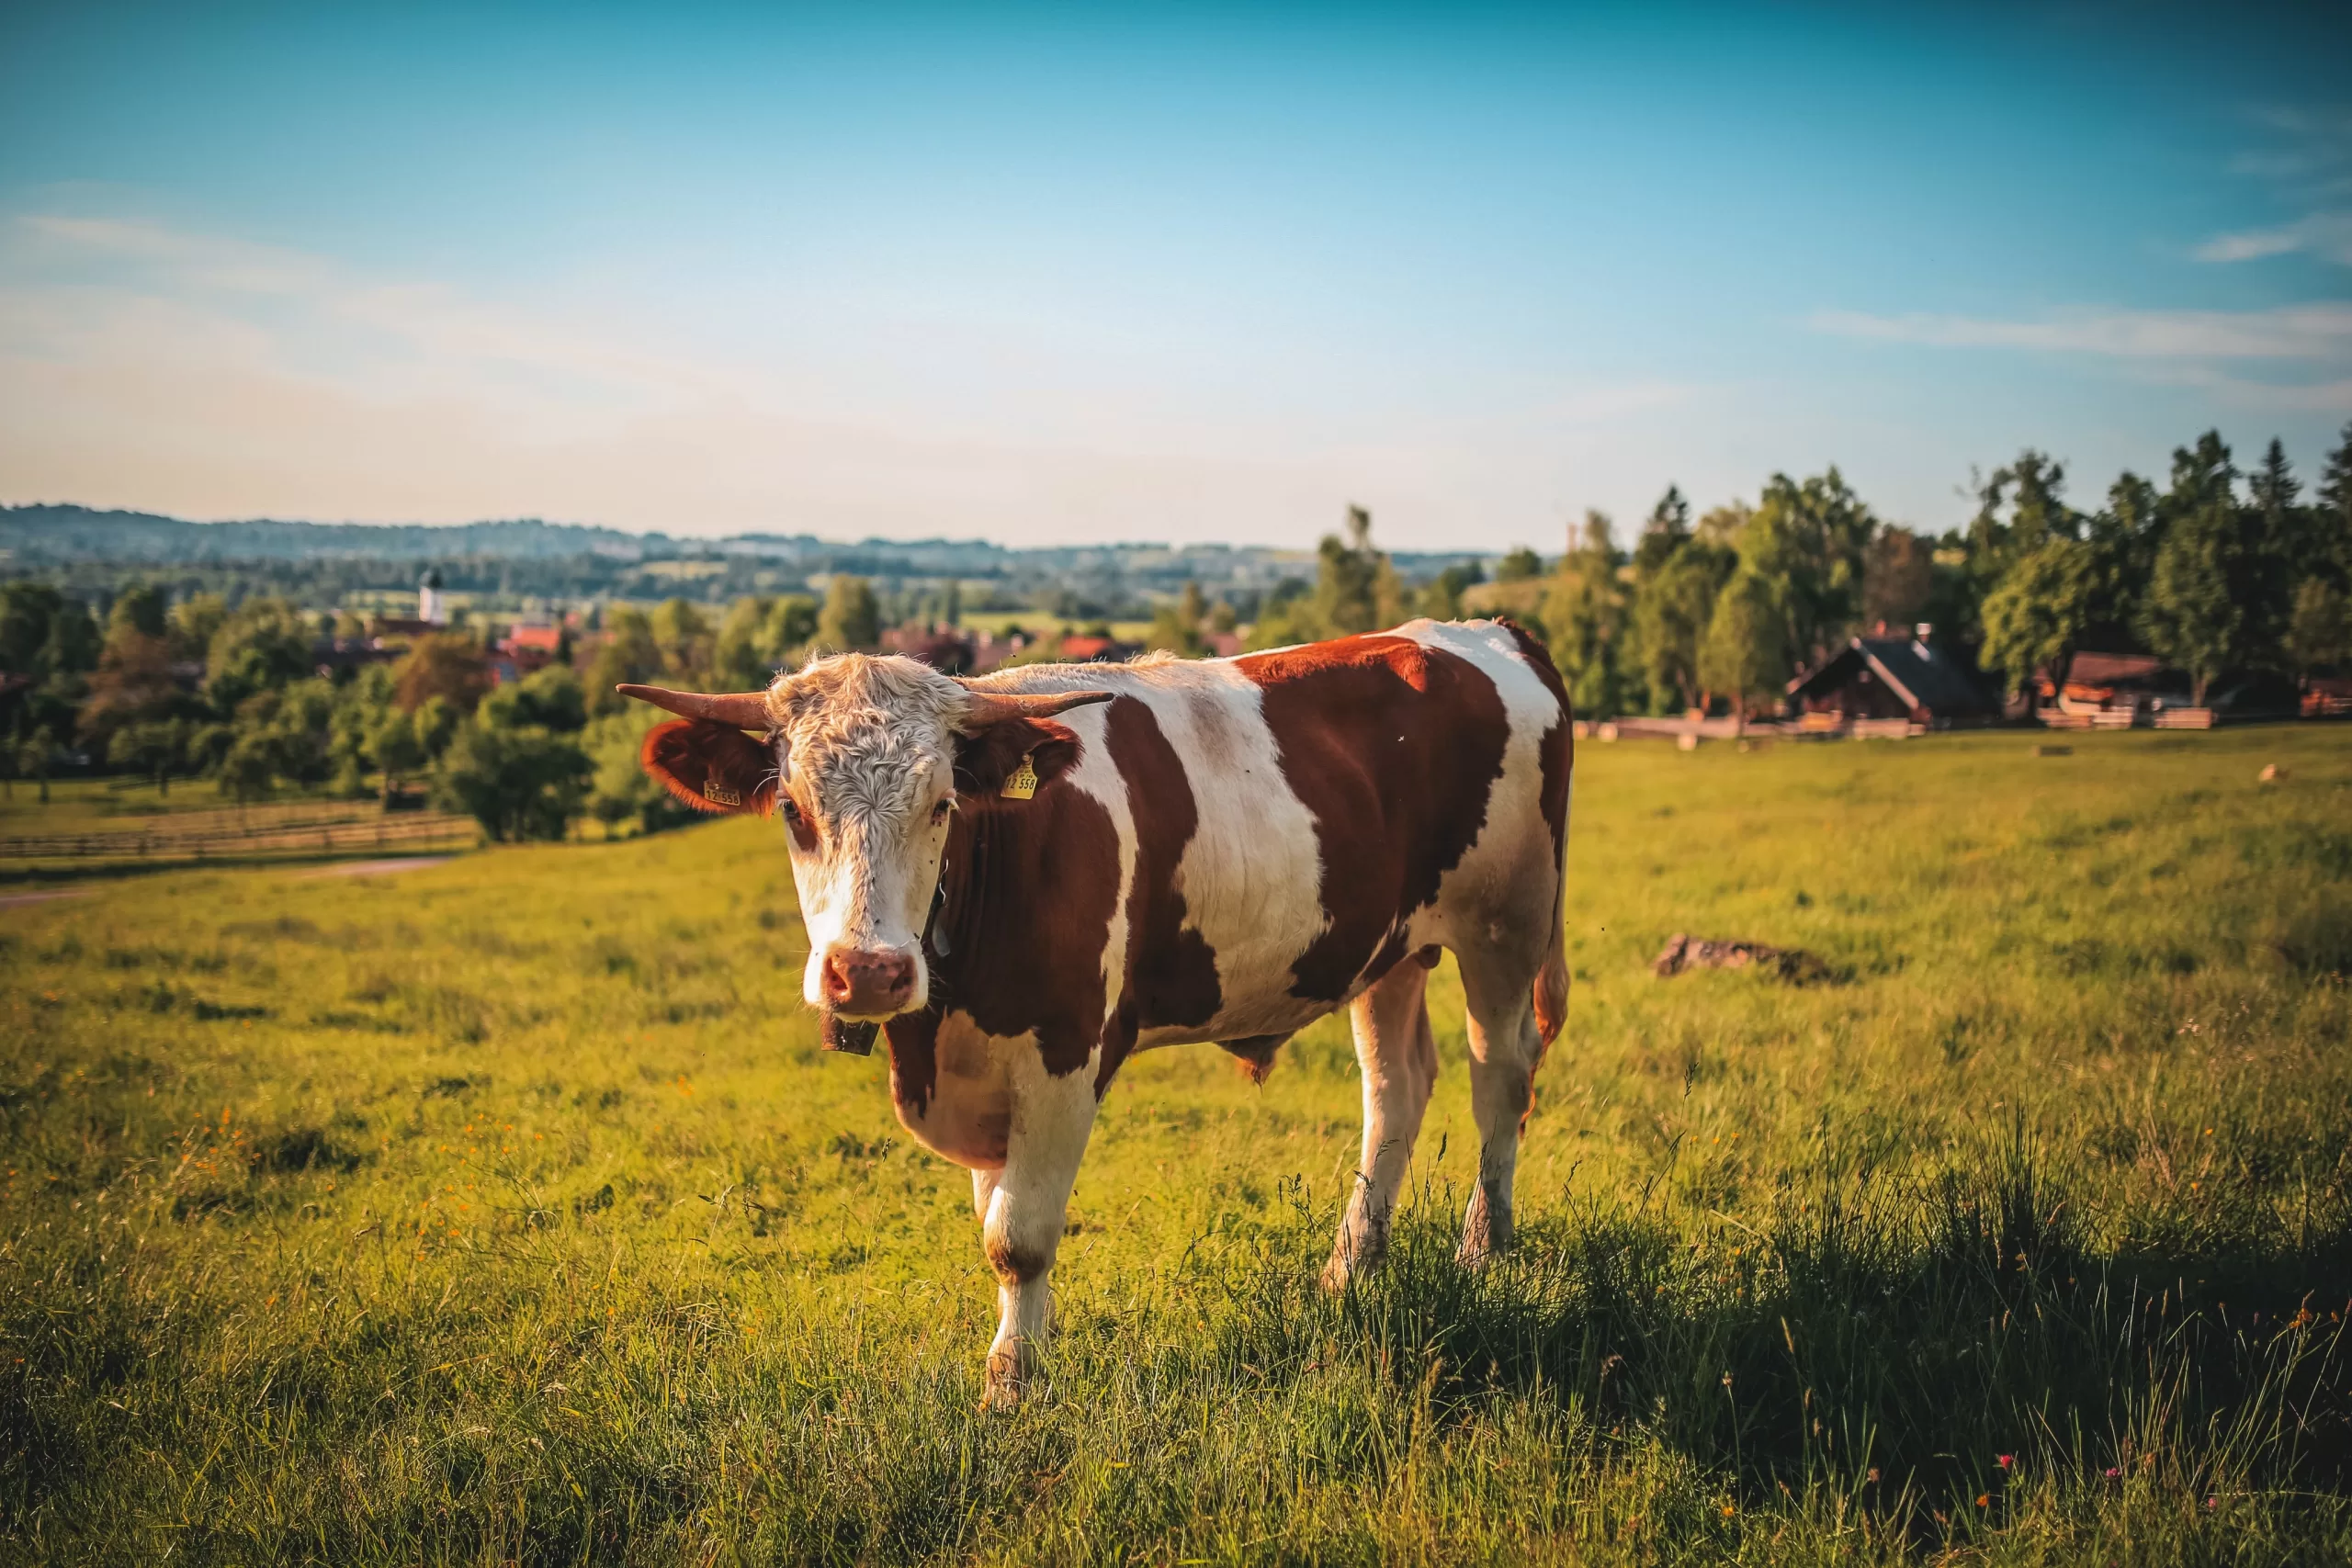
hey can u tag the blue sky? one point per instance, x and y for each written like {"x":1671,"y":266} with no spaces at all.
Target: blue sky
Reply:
{"x":1185,"y":275}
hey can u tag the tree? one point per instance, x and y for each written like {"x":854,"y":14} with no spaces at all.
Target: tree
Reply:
{"x":2329,"y":550}
{"x":1671,"y":612}
{"x":684,"y":636}
{"x":1586,"y":619}
{"x":152,"y":750}
{"x":1440,"y":598}
{"x":2193,"y":616}
{"x":1664,"y":532}
{"x":1806,"y":539}
{"x":1356,"y":589}
{"x":628,"y":654}
{"x":1898,"y":579}
{"x":758,"y":637}
{"x":519,"y":782}
{"x":549,"y":699}
{"x":195,"y":621}
{"x":1745,"y":655}
{"x":447,"y":665}
{"x":2034,"y":618}
{"x":2319,"y":628}
{"x":851,"y":619}
{"x":620,"y":790}
{"x":260,"y":646}
{"x":1519,"y":566}
{"x":1176,"y":626}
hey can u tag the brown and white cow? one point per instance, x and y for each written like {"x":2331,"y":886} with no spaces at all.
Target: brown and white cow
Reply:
{"x":1221,"y":850}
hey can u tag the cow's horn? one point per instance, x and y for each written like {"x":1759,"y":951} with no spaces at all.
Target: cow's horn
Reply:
{"x":744,"y":710}
{"x":996,"y":707}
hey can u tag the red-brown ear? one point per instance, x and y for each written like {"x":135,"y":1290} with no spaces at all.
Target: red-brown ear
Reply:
{"x":983,"y":761}
{"x":711,"y":767}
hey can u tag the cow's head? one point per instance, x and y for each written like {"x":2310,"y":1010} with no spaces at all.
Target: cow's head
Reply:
{"x":864,"y":759}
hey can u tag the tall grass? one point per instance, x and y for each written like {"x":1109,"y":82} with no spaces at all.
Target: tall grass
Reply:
{"x":505,"y":1212}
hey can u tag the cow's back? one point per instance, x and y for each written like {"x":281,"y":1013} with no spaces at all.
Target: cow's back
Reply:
{"x":1298,"y":821}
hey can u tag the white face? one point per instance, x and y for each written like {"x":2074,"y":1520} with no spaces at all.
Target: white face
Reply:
{"x":866,"y":817}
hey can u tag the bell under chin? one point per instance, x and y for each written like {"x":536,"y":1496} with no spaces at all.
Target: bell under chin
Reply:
{"x":849,"y":1035}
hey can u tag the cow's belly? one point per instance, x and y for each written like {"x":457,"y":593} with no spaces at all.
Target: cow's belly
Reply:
{"x":969,"y":1114}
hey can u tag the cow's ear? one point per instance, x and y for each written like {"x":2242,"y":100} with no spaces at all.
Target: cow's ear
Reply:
{"x":988,"y":757}
{"x":711,"y":766}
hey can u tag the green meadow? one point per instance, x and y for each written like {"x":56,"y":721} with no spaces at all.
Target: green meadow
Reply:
{"x":505,"y":1211}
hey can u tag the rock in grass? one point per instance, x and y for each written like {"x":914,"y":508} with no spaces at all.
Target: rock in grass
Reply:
{"x":1684,"y":951}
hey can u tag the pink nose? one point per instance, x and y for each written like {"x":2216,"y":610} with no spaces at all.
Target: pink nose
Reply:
{"x":864,"y":984}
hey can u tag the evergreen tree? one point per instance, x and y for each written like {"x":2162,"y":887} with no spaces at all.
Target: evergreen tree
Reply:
{"x":2195,"y":617}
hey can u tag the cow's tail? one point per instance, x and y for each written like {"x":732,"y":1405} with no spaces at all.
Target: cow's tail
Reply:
{"x":1552,"y":980}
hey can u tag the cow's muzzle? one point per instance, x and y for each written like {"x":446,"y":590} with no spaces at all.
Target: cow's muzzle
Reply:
{"x":868,"y":985}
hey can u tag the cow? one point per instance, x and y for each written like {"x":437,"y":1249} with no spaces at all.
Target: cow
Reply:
{"x":1027,"y":876}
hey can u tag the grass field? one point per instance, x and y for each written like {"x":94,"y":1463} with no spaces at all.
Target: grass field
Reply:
{"x":505,"y":1211}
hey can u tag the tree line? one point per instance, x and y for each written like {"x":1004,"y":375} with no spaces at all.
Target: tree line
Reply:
{"x":2221,"y":571}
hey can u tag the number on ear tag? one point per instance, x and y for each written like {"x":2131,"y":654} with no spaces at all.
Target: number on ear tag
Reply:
{"x":720,"y":794}
{"x":1023,"y":784}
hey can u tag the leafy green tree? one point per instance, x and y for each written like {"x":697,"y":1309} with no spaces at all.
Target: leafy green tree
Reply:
{"x":628,"y":654}
{"x":2328,"y":552}
{"x":1744,"y":656}
{"x":1664,"y":531}
{"x":1806,"y":539}
{"x":1672,"y":610}
{"x":1587,"y":620}
{"x":685,"y":635}
{"x":620,"y":791}
{"x":1356,"y":589}
{"x":759,"y":636}
{"x":1519,"y":565}
{"x":850,"y":620}
{"x":2319,"y":627}
{"x":1898,"y":579}
{"x":263,"y":646}
{"x":1176,"y":626}
{"x":153,"y":749}
{"x":1441,"y":597}
{"x":195,"y":621}
{"x":2035,"y":617}
{"x":2194,"y":615}
{"x":520,"y":783}
{"x":36,"y":754}
{"x":550,"y":699}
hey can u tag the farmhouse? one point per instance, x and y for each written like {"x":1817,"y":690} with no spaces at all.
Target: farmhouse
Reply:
{"x":1903,"y":680}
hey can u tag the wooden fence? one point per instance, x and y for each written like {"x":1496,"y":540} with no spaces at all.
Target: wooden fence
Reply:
{"x":197,"y":839}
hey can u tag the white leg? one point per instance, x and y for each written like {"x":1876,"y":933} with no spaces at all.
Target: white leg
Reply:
{"x":983,"y":1190}
{"x":1504,"y":1047}
{"x":1027,"y":1203}
{"x":1399,"y":1059}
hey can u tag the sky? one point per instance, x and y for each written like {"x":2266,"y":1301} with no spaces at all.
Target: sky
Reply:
{"x":1179,"y":274}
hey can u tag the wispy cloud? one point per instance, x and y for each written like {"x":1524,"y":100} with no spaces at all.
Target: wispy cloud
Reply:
{"x":2218,"y":351}
{"x":2310,"y":168}
{"x":2314,"y":331}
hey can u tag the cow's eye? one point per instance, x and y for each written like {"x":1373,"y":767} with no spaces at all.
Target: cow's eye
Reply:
{"x":939,"y":812}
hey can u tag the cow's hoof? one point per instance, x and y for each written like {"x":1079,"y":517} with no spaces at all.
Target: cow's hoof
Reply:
{"x":1006,"y":1378}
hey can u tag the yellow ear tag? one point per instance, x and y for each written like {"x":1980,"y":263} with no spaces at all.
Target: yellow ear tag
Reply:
{"x":1023,"y":784}
{"x":720,"y":794}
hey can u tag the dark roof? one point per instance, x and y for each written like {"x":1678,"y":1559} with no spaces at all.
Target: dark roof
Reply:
{"x":2115,"y":669}
{"x":1925,"y":677}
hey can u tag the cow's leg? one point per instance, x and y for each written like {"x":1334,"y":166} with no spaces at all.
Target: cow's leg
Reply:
{"x":1504,"y":1047}
{"x":983,"y":1191}
{"x":1027,"y":1203}
{"x":1399,"y":1061}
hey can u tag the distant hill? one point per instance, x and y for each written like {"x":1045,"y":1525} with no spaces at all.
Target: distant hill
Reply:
{"x":53,"y":533}
{"x":88,"y":552}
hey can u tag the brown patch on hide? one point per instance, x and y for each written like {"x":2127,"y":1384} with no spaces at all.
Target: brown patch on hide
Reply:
{"x":1174,"y":977}
{"x":1395,"y":747}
